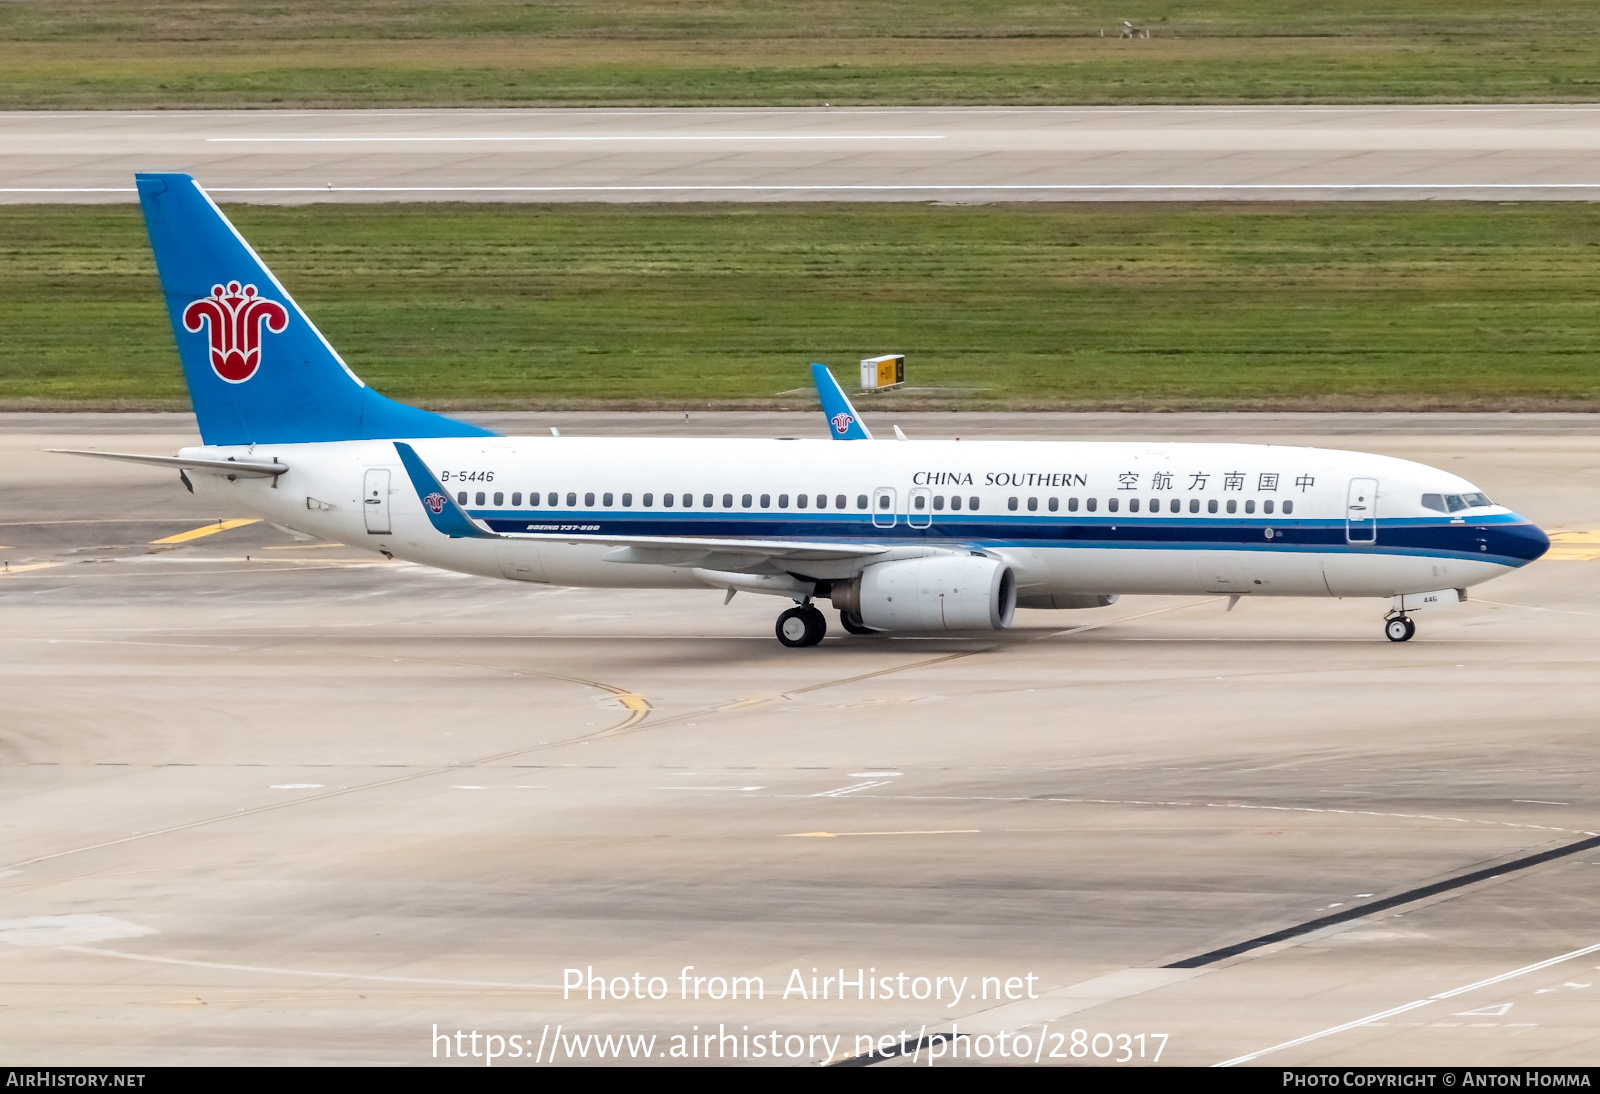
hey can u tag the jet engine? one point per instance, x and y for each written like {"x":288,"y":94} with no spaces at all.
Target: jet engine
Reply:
{"x":937,"y":593}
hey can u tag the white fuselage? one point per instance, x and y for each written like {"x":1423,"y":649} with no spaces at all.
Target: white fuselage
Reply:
{"x":1070,"y":518}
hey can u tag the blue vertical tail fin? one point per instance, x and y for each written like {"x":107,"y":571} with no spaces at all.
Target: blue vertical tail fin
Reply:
{"x":259,"y":371}
{"x":844,"y":424}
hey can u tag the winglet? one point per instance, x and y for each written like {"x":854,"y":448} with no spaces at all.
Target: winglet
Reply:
{"x":445,"y":515}
{"x":844,"y":424}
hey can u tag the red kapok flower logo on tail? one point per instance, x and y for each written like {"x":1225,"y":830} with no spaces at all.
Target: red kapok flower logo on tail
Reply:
{"x":435,"y":502}
{"x":236,"y":316}
{"x":841,"y":423}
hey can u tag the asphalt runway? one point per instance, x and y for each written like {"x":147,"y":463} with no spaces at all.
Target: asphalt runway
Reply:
{"x":275,"y":802}
{"x":1506,"y":153}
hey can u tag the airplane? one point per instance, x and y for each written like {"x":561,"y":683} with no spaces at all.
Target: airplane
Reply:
{"x":903,"y":536}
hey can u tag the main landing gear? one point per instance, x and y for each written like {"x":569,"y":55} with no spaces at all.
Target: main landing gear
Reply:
{"x":801,"y":626}
{"x":1399,"y":628}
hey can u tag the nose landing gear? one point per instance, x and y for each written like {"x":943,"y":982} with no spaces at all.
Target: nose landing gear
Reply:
{"x":801,"y":626}
{"x":1399,"y":628}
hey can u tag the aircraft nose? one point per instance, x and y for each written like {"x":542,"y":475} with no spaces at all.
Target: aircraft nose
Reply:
{"x":1531,"y":539}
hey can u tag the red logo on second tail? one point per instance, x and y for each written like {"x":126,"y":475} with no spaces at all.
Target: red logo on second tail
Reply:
{"x":236,"y":316}
{"x":435,"y":502}
{"x":841,"y":423}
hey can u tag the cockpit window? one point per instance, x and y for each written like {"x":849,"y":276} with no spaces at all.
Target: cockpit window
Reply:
{"x":1454,"y":503}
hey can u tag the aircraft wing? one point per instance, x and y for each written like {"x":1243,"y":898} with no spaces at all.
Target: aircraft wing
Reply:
{"x":251,"y":468}
{"x":844,"y":424}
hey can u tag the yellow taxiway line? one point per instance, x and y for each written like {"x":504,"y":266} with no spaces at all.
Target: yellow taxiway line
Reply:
{"x":1577,"y":546}
{"x":207,"y":530}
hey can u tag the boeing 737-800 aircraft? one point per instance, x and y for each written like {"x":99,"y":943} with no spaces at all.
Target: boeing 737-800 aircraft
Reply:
{"x":901,"y":536}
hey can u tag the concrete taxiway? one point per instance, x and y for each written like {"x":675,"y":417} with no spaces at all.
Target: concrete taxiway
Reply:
{"x":911,"y":154}
{"x":269,"y":801}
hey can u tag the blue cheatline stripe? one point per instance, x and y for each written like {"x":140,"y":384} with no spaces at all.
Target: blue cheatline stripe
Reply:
{"x":1507,"y":541}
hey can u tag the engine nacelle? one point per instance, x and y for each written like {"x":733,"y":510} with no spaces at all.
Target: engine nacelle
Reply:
{"x":937,"y":593}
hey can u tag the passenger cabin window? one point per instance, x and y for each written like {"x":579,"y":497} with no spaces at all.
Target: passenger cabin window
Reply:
{"x":1233,"y":506}
{"x":746,"y":501}
{"x":861,"y":501}
{"x":461,"y":498}
{"x":1111,"y":505}
{"x":1266,"y":507}
{"x":1033,"y":505}
{"x":588,"y":499}
{"x":972,"y":503}
{"x":727,"y":501}
{"x":572,"y":500}
{"x":938,"y":502}
{"x":955,"y":501}
{"x":627,"y":501}
{"x":920,"y":502}
{"x":802,"y":500}
{"x":1175,"y":506}
{"x":1250,"y":507}
{"x":1194,"y":505}
{"x":1011,"y":503}
{"x":883,"y":501}
{"x":783,"y":501}
{"x":605,"y":500}
{"x":1211,"y":506}
{"x":1055,"y":503}
{"x":479,"y":498}
{"x":555,"y":498}
{"x":666,"y":501}
{"x":1072,"y":505}
{"x":707,"y":502}
{"x":499,"y":498}
{"x":687,"y":500}
{"x":1090,"y":503}
{"x":516,"y":497}
{"x":1288,"y":507}
{"x":839,"y":502}
{"x":1133,"y":505}
{"x":649,"y":500}
{"x":822,"y":501}
{"x":766,"y":501}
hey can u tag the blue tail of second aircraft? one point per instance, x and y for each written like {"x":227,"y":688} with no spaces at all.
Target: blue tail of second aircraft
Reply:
{"x":259,"y":371}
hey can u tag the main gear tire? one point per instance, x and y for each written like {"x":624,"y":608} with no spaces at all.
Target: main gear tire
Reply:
{"x":801,"y":626}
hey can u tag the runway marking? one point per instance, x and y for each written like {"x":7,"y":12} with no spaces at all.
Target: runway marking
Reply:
{"x":929,"y":832}
{"x":708,"y":788}
{"x":207,"y":530}
{"x":576,"y":138}
{"x":302,"y":546}
{"x":97,"y":952}
{"x":851,"y":789}
{"x":1452,"y":993}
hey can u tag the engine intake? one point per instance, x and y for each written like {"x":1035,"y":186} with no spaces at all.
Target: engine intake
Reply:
{"x":937,"y":593}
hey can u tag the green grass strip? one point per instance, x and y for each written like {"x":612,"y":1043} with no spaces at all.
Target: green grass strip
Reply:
{"x":1226,"y":306}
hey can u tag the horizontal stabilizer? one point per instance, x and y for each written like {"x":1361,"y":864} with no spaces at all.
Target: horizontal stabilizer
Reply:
{"x":252,"y":468}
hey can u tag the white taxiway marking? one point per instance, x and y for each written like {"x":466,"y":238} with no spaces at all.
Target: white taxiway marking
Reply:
{"x":840,"y":792}
{"x":1452,"y":993}
{"x":296,"y":786}
{"x":708,"y":788}
{"x":853,"y":188}
{"x":459,"y":140}
{"x":97,"y":952}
